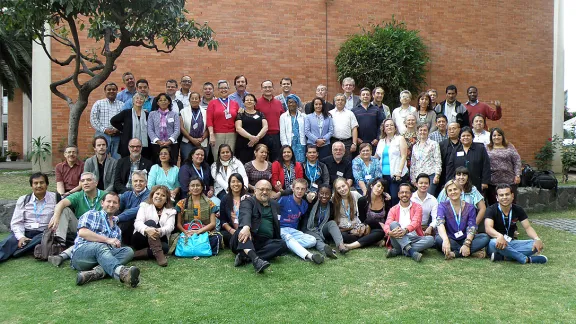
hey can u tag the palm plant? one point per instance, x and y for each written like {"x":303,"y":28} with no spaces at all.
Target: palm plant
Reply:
{"x":15,"y":62}
{"x":40,"y":150}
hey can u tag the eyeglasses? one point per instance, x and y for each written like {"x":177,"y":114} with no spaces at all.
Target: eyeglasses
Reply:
{"x":263,"y":189}
{"x":186,"y":81}
{"x":135,"y":146}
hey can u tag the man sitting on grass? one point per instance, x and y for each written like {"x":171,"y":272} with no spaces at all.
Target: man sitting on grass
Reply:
{"x":97,"y":249}
{"x":500,"y":222}
{"x":130,"y":203}
{"x":31,"y":216}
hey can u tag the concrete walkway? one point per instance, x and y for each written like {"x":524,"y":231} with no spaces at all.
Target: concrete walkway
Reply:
{"x":17,"y":165}
{"x":568,"y":225}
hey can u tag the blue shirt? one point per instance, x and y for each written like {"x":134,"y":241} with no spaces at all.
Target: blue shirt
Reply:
{"x":97,"y":222}
{"x":369,"y":121}
{"x":146,"y":106}
{"x":130,"y":203}
{"x":238,"y":98}
{"x":290,"y":211}
{"x":125,"y":95}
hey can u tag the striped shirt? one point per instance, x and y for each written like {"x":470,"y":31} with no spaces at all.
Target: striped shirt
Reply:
{"x":97,"y":222}
{"x":102,"y":111}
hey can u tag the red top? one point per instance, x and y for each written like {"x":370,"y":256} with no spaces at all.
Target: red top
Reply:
{"x":272,"y":109}
{"x":484,"y":110}
{"x":415,"y":219}
{"x":216,"y":118}
{"x":69,"y":175}
{"x":278,"y":173}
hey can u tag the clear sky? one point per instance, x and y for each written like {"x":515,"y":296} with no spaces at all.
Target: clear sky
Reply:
{"x":570,"y":52}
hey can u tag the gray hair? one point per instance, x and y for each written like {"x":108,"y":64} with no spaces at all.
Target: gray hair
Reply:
{"x":141,"y":173}
{"x":349,"y":80}
{"x":339,"y":95}
{"x":407,"y":92}
{"x":138,"y":94}
{"x":94,"y":177}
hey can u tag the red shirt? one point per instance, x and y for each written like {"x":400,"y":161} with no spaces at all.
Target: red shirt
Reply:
{"x":69,"y":175}
{"x":278,"y":173}
{"x":272,"y":109}
{"x":215,"y":116}
{"x":484,"y":110}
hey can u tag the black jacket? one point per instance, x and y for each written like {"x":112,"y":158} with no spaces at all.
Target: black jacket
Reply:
{"x":446,"y":148}
{"x":123,"y":122}
{"x":251,"y":215}
{"x":461,"y":112}
{"x":122,"y":173}
{"x":477,"y":161}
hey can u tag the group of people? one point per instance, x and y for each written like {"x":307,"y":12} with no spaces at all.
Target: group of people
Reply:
{"x":265,"y":176}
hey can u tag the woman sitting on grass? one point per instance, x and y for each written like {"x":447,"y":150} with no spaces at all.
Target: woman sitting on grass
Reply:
{"x":230,"y":207}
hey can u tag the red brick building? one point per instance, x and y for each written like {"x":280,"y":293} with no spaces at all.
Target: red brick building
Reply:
{"x":505,"y":48}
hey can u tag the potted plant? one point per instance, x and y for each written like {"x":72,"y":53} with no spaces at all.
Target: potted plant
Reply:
{"x":40,"y":150}
{"x":12,"y":153}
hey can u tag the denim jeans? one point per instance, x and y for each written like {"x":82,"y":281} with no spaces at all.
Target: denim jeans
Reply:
{"x":91,"y":254}
{"x":418,"y":243}
{"x":517,"y":250}
{"x":113,"y":143}
{"x":297,"y":241}
{"x":432,"y":187}
{"x":478,"y":243}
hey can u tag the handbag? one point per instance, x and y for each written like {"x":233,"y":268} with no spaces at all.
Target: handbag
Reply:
{"x":196,"y":245}
{"x":193,"y":225}
{"x":48,"y":245}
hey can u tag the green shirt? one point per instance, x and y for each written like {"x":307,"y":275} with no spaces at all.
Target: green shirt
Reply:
{"x":81,"y":205}
{"x":266,"y":228}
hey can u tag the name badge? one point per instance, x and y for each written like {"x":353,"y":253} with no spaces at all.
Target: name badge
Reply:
{"x":279,"y":216}
{"x":368,"y":177}
{"x":458,"y":234}
{"x":227,"y":116}
{"x":236,"y":221}
{"x":340,"y":174}
{"x":256,"y":116}
{"x":195,"y":126}
{"x":507,"y":238}
{"x":170,"y":120}
{"x":459,"y":153}
{"x":35,"y":225}
{"x":314,"y":185}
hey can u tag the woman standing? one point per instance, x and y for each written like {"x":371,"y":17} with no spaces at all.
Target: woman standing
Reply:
{"x":399,"y":114}
{"x":223,"y":168}
{"x":251,"y":126}
{"x":480,"y":134}
{"x":259,"y":168}
{"x":505,"y":164}
{"x":365,"y":168}
{"x":284,"y":172}
{"x":426,"y":114}
{"x":230,"y":206}
{"x":154,"y":223}
{"x":319,"y":128}
{"x":220,"y":118}
{"x":392,"y":152}
{"x":473,"y":156}
{"x":411,"y":136}
{"x":195,"y":167}
{"x":292,"y":128}
{"x":193,"y":127}
{"x":133,"y":124}
{"x":164,"y":126}
{"x":426,"y":159}
{"x":457,"y":227}
{"x":372,"y":207}
{"x":165,"y":173}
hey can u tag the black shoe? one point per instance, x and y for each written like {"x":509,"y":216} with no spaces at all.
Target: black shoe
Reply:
{"x":260,"y":265}
{"x":317,"y":258}
{"x":343,"y":250}
{"x":495,"y":257}
{"x":239,"y":260}
{"x":330,"y":252}
{"x":391,"y":253}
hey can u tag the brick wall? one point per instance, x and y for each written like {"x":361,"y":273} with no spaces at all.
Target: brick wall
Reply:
{"x":15,"y":131}
{"x":505,"y":48}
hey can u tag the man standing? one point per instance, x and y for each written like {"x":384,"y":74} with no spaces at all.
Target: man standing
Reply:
{"x":69,"y":209}
{"x":130,"y":90}
{"x":441,"y":133}
{"x":143,"y":88}
{"x":378,"y":95}
{"x":339,"y":165}
{"x":171,"y":91}
{"x":292,"y":209}
{"x":475,"y":107}
{"x":31,"y":216}
{"x":100,"y":115}
{"x":258,"y":239}
{"x":240,"y":83}
{"x":352,"y":100}
{"x":345,"y":125}
{"x":286,"y":86}
{"x":404,"y":227}
{"x":452,"y":108}
{"x":272,"y":109}
{"x":446,"y":148}
{"x":208,"y":95}
{"x":500,"y":222}
{"x":433,"y":97}
{"x":101,"y":165}
{"x":321,"y":92}
{"x":97,"y":249}
{"x":130,"y":203}
{"x":127,"y":165}
{"x":68,"y":172}
{"x":183,"y":95}
{"x":369,"y":120}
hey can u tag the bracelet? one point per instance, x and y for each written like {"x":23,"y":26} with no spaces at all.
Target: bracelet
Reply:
{"x":537,"y":239}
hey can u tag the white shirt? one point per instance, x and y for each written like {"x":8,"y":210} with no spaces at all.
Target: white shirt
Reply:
{"x":429,"y":208}
{"x":184,"y":98}
{"x":450,"y":112}
{"x":344,"y":121}
{"x":483,"y":138}
{"x":399,"y":116}
{"x":404,"y":219}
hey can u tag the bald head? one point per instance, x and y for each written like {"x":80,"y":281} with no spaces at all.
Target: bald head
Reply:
{"x":262,"y":191}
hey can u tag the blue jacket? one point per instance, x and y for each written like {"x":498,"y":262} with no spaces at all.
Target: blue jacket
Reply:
{"x":129,"y":204}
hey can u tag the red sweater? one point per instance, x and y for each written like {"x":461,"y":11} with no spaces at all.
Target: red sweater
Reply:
{"x":278,"y":173}
{"x":415,"y":219}
{"x":216,"y":118}
{"x":272,"y":110}
{"x":484,"y":110}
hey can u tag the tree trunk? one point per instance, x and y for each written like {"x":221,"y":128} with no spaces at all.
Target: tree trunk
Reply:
{"x":76,"y":110}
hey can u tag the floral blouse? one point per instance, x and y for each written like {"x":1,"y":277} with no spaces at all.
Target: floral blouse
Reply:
{"x":425,"y":159}
{"x":361,"y":172}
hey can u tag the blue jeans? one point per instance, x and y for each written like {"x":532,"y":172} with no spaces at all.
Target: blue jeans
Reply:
{"x":297,"y":241}
{"x":112,"y":144}
{"x":417,"y":243}
{"x":432,"y":188}
{"x":91,"y":254}
{"x":517,"y":250}
{"x":393,"y":188}
{"x":478,"y":243}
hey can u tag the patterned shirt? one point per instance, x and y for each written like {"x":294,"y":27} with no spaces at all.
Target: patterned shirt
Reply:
{"x":437,"y":136}
{"x":505,"y":165}
{"x":425,"y":159}
{"x":365,"y":173}
{"x":255,"y":175}
{"x":473,"y":197}
{"x":102,"y":111}
{"x":97,"y":222}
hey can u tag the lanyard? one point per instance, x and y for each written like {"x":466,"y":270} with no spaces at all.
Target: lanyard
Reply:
{"x":458,"y":217}
{"x":199,"y":173}
{"x":312,"y":178}
{"x":321,"y":215}
{"x":225,"y":105}
{"x":92,"y":207}
{"x":347,"y":210}
{"x":36,"y":212}
{"x":197,"y":115}
{"x":106,"y":222}
{"x":504,"y":219}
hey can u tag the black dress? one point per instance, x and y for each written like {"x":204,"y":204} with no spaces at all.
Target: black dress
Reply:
{"x":252,"y":123}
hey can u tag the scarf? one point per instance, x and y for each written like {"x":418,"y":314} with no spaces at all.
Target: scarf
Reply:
{"x":139,"y":127}
{"x":312,"y":220}
{"x":163,"y":124}
{"x":202,"y":214}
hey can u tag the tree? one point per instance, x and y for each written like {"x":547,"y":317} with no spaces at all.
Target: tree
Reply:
{"x":115,"y":25}
{"x":390,"y":56}
{"x":15,"y":62}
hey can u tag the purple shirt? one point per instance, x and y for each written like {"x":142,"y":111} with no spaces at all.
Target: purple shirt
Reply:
{"x":467,"y":223}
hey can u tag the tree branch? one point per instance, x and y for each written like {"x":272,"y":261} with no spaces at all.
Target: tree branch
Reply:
{"x":74,"y":31}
